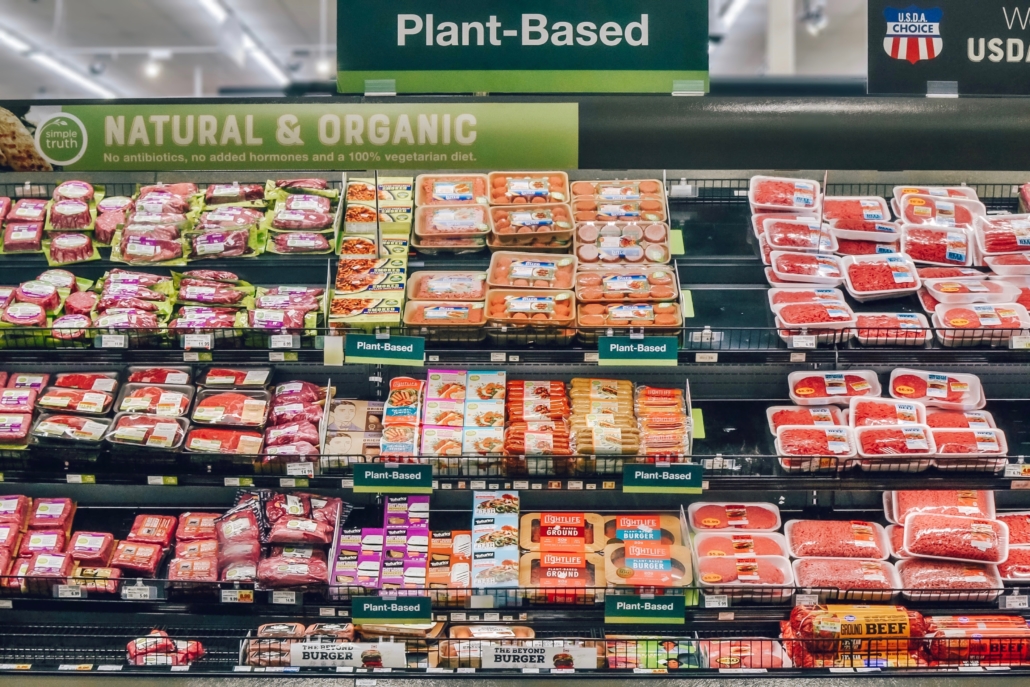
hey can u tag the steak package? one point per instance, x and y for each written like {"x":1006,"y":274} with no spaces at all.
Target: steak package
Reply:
{"x":290,"y":412}
{"x":153,"y":529}
{"x":183,"y":189}
{"x":87,"y":381}
{"x":164,"y":401}
{"x":211,"y":294}
{"x":304,"y":220}
{"x":107,"y":225}
{"x":24,"y":315}
{"x":248,"y":408}
{"x":221,"y":243}
{"x":292,"y":530}
{"x":293,"y":433}
{"x":162,"y":202}
{"x":71,"y":327}
{"x":300,"y":242}
{"x":74,"y":190}
{"x":215,"y":440}
{"x":91,"y":548}
{"x":290,"y":572}
{"x":152,"y":431}
{"x":156,"y":642}
{"x":142,"y":250}
{"x":229,"y":217}
{"x":139,"y":558}
{"x":67,"y":249}
{"x":297,"y":391}
{"x":23,"y":237}
{"x":76,"y":401}
{"x":71,"y":215}
{"x":223,"y":378}
{"x":71,"y":428}
{"x":81,"y":303}
{"x":159,"y":375}
{"x":287,"y":505}
{"x":219,"y":194}
{"x":45,"y":570}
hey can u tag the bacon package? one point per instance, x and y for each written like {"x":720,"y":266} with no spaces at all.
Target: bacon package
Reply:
{"x":756,"y":517}
{"x":956,"y":538}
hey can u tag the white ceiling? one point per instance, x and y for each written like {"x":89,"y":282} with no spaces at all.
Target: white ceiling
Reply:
{"x":111,"y":37}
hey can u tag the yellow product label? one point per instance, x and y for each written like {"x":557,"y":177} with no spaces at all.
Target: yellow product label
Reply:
{"x":901,"y":389}
{"x":870,"y":622}
{"x":804,"y":391}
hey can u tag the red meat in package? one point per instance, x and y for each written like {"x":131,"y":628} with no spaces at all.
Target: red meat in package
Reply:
{"x":300,"y":242}
{"x":220,"y":243}
{"x":86,"y":381}
{"x":154,"y":399}
{"x":42,"y":541}
{"x":76,"y":400}
{"x":81,"y":303}
{"x":194,"y":526}
{"x":290,"y":412}
{"x":197,"y":548}
{"x":52,"y":514}
{"x":70,"y":214}
{"x":218,"y":194}
{"x":153,"y":431}
{"x":107,"y":225}
{"x":290,"y":434}
{"x":968,"y":503}
{"x":992,"y":640}
{"x":210,"y":294}
{"x":752,"y":516}
{"x":298,"y":391}
{"x":289,"y":318}
{"x":836,"y":539}
{"x":215,"y":440}
{"x":204,"y":569}
{"x":162,"y":202}
{"x":821,"y":629}
{"x":301,"y":201}
{"x":301,"y":220}
{"x":17,"y":400}
{"x":1018,"y":524}
{"x":298,"y":301}
{"x":846,"y":575}
{"x":953,"y":537}
{"x":211,"y":275}
{"x":74,"y":190}
{"x":294,"y":530}
{"x":310,"y":184}
{"x":126,"y":319}
{"x":24,"y":315}
{"x":28,"y":210}
{"x":240,"y":524}
{"x":296,"y":448}
{"x":160,"y":375}
{"x":301,"y":551}
{"x":38,"y":293}
{"x":937,"y":246}
{"x":291,"y":572}
{"x":31,"y":380}
{"x":327,"y":509}
{"x":157,"y":641}
{"x":231,"y":409}
{"x":815,"y":387}
{"x":951,"y":212}
{"x":14,"y":428}
{"x":69,"y":248}
{"x":227,"y":377}
{"x":288,"y":505}
{"x":5,"y":206}
{"x":23,"y":237}
{"x":14,"y":510}
{"x":137,"y":557}
{"x":229,"y":218}
{"x":1017,"y":567}
{"x":182,"y":189}
{"x":141,"y":250}
{"x":153,"y":529}
{"x":91,"y":548}
{"x":247,"y":551}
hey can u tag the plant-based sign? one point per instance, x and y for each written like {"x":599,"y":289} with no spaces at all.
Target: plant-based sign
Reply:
{"x":531,"y":46}
{"x":635,"y":609}
{"x":983,"y":46}
{"x":401,"y":610}
{"x":675,"y":478}
{"x":328,"y":136}
{"x":397,"y":350}
{"x":650,"y":351}
{"x":388,"y":478}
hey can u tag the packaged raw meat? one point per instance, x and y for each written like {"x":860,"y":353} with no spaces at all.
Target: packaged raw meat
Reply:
{"x":197,"y":548}
{"x":926,"y":301}
{"x":819,"y":416}
{"x":940,"y":580}
{"x":81,"y":303}
{"x":827,"y":314}
{"x":971,"y":325}
{"x":240,"y":524}
{"x":329,"y":509}
{"x":159,"y":375}
{"x":107,"y":226}
{"x":249,"y":408}
{"x":896,"y":536}
{"x":155,"y":642}
{"x":302,"y":220}
{"x":138,"y":559}
{"x":784,"y":296}
{"x":24,"y":315}
{"x":990,"y":640}
{"x":885,"y":411}
{"x":153,"y":529}
{"x":71,"y":327}
{"x":126,"y":319}
{"x":223,"y":243}
{"x":17,"y":400}
{"x":778,"y":193}
{"x":96,"y":580}
{"x":289,"y":434}
{"x":448,"y":285}
{"x":168,"y":401}
{"x":821,"y":388}
{"x":214,"y":440}
{"x":5,"y":206}
{"x":953,"y":212}
{"x":436,"y":189}
{"x":199,"y":569}
{"x":847,"y":579}
{"x":861,"y":208}
{"x":455,"y":221}
{"x":836,"y":539}
{"x":152,"y":431}
{"x":298,"y":242}
{"x":956,"y":291}
{"x":288,"y":505}
{"x":221,"y":194}
{"x":956,"y":538}
{"x":966,"y":192}
{"x":952,"y":391}
{"x":45,"y":571}
{"x":52,"y":514}
{"x":28,"y":210}
{"x":832,"y":629}
{"x":229,"y":217}
{"x":87,"y":381}
{"x":1016,"y":567}
{"x":872,"y":277}
{"x":970,"y":442}
{"x":295,"y":530}
{"x":196,"y":526}
{"x":957,"y":419}
{"x":277,"y":572}
{"x":70,"y":428}
{"x":149,"y":249}
{"x":73,"y":190}
{"x":14,"y":429}
{"x":807,"y":268}
{"x":937,"y":245}
{"x":755,"y":517}
{"x":744,"y":653}
{"x":739,"y":545}
{"x":302,"y":185}
{"x":76,"y":401}
{"x":910,"y":440}
{"x":29,"y":380}
{"x":809,"y":449}
{"x":892,"y":329}
{"x":14,"y":510}
{"x":979,"y":504}
{"x":42,"y":541}
{"x":223,"y":295}
{"x":715,"y":574}
{"x":38,"y":293}
{"x":287,"y":412}
{"x":23,"y":237}
{"x":276,"y":320}
{"x":799,"y":235}
{"x":121,"y":204}
{"x":91,"y":548}
{"x":74,"y":215}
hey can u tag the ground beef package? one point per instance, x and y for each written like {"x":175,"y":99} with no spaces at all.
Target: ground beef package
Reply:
{"x":914,"y":440}
{"x":832,"y":629}
{"x":91,"y":548}
{"x":156,"y":642}
{"x":1019,"y":527}
{"x":739,"y":545}
{"x":1017,"y":567}
{"x":831,"y":387}
{"x":202,"y":569}
{"x":153,"y":529}
{"x":46,"y":570}
{"x":956,"y":538}
{"x":757,"y":517}
{"x":769,"y":570}
{"x":988,"y":639}
{"x":196,"y":548}
{"x":885,"y":411}
{"x":969,"y":503}
{"x":288,"y":505}
{"x":847,"y":575}
{"x":14,"y":510}
{"x":42,"y":541}
{"x":196,"y":526}
{"x":926,"y":579}
{"x":137,"y":559}
{"x":836,"y":539}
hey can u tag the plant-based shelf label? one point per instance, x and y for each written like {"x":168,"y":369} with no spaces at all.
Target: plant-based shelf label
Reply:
{"x":633,"y":608}
{"x":301,"y":136}
{"x":531,"y":46}
{"x":402,"y":610}
{"x":675,"y":478}
{"x":397,"y":350}
{"x":649,"y":351}
{"x":387,"y":478}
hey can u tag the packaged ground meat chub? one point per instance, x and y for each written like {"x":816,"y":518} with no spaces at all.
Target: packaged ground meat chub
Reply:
{"x":756,"y":517}
{"x":956,"y":538}
{"x":197,"y":548}
{"x":137,"y":559}
{"x":92,"y":549}
{"x":990,"y":640}
{"x":46,"y":570}
{"x":14,"y":428}
{"x":28,"y":210}
{"x":836,"y":539}
{"x":153,"y":529}
{"x":42,"y":541}
{"x":202,"y":569}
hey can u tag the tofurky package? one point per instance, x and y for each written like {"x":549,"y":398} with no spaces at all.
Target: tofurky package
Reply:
{"x":449,"y":559}
{"x":495,"y":538}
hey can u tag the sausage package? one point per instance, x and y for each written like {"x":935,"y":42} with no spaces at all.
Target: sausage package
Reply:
{"x":137,"y":559}
{"x":153,"y":529}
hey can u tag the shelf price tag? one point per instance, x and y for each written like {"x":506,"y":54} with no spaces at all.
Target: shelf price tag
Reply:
{"x":806,"y":599}
{"x":81,"y":479}
{"x":717,"y":601}
{"x":1014,"y":601}
{"x":292,"y":482}
{"x":674,"y":478}
{"x":69,"y":591}
{"x":1019,"y":343}
{"x":237,"y":596}
{"x":139,"y":592}
{"x":239,"y":481}
{"x":80,"y":667}
{"x":192,"y":342}
{"x":156,"y":480}
{"x":391,"y":478}
{"x":111,"y":341}
{"x":635,"y":609}
{"x":280,"y":341}
{"x":1017,"y":471}
{"x":651,"y":351}
{"x":397,"y":350}
{"x":402,"y":610}
{"x":284,"y":598}
{"x":802,"y":341}
{"x":300,"y":469}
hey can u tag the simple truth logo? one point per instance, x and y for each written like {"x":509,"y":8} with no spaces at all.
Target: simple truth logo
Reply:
{"x":913,"y":34}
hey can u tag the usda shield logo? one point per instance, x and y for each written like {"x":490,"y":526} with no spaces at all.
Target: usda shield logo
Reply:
{"x":913,"y":34}
{"x":61,"y":140}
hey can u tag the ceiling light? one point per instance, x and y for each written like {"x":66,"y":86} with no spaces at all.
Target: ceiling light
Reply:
{"x":70,"y":74}
{"x":265,"y":60}
{"x":732,"y":11}
{"x":152,"y":69}
{"x":324,"y":67}
{"x":13,"y":42}
{"x":215,"y":9}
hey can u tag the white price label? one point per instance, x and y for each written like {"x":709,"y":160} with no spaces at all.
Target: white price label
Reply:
{"x":466,"y":670}
{"x":1014,"y":601}
{"x":806,"y":600}
{"x":114,"y":341}
{"x":180,"y":669}
{"x":798,"y":357}
{"x":237,"y":596}
{"x":287,"y":598}
{"x":242,"y":669}
{"x":109,"y":669}
{"x":74,"y":591}
{"x":802,"y":341}
{"x":1020,"y":470}
{"x":194,"y":341}
{"x":1019,"y":343}
{"x":706,"y":358}
{"x":157,"y":480}
{"x":326,"y":612}
{"x":281,"y":341}
{"x":498,"y":357}
{"x":301,"y":469}
{"x":717,"y":601}
{"x":138,"y":593}
{"x":81,"y":667}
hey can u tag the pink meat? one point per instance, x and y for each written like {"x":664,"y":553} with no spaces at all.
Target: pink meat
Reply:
{"x":295,"y":291}
{"x":301,"y":201}
{"x":297,"y":448}
{"x":220,"y":244}
{"x":228,"y":439}
{"x":144,"y":250}
{"x":28,"y":210}
{"x":217,"y":294}
{"x":218,"y":194}
{"x":87,"y":381}
{"x":955,"y":537}
{"x":918,"y":573}
{"x":62,"y":279}
{"x":76,"y":400}
{"x":128,"y":319}
{"x":23,"y":237}
{"x":289,"y":572}
{"x":69,"y":248}
{"x":301,"y":301}
{"x":69,"y":327}
{"x":310,"y":184}
{"x":122,"y":204}
{"x":120,"y":276}
{"x":297,"y":391}
{"x":127,"y":290}
{"x":185,"y":189}
{"x":108,"y":224}
{"x":80,"y":303}
{"x":160,"y":375}
{"x":285,"y":412}
{"x":845,"y":575}
{"x":168,"y":232}
{"x":162,"y":202}
{"x":978,"y":504}
{"x":287,"y":318}
{"x":39,"y":293}
{"x":212,"y":275}
{"x":155,"y":400}
{"x":70,"y":214}
{"x":73,"y":190}
{"x":293,"y":530}
{"x":109,"y":302}
{"x":302,"y":219}
{"x":232,"y":407}
{"x":5,"y":206}
{"x":148,"y":423}
{"x":193,"y":318}
{"x":300,"y":243}
{"x":836,"y":539}
{"x":230,"y":216}
{"x":288,"y":434}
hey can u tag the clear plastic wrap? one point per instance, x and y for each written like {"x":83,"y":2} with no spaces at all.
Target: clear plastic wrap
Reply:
{"x":836,"y":539}
{"x":956,"y":538}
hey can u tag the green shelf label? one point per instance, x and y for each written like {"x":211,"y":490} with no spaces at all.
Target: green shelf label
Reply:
{"x":699,"y":423}
{"x":650,"y":351}
{"x":397,"y":350}
{"x":383,"y":478}
{"x":403,"y":610}
{"x":675,"y":478}
{"x":633,"y":608}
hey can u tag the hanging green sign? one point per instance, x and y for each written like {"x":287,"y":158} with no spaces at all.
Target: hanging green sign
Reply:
{"x":402,"y":610}
{"x":530,"y":46}
{"x":385,"y":478}
{"x":675,"y":478}
{"x":397,"y":350}
{"x":649,"y":351}
{"x":635,"y":609}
